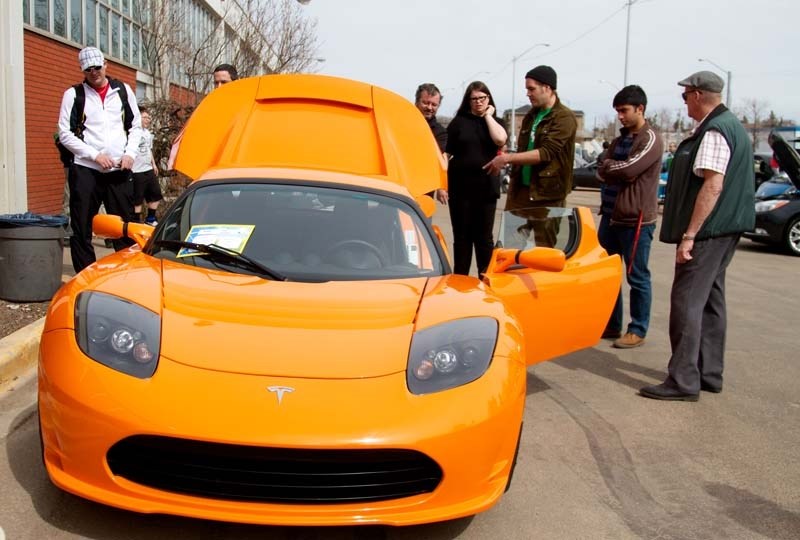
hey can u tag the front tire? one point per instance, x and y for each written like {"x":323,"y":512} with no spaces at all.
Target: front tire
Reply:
{"x":791,"y":238}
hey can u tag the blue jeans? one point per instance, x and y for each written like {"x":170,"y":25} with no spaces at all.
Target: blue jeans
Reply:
{"x":618,"y":240}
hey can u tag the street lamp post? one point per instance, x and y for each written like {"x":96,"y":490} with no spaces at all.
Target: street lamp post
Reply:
{"x":513,"y":95}
{"x":468,"y":79}
{"x":728,"y":84}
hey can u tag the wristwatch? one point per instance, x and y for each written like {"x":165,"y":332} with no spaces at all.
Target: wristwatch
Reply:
{"x":687,"y":236}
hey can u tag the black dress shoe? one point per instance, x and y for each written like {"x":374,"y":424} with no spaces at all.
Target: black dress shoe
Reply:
{"x":663,"y":392}
{"x":708,"y":388}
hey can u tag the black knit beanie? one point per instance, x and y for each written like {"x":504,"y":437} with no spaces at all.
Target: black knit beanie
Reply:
{"x":543,"y":74}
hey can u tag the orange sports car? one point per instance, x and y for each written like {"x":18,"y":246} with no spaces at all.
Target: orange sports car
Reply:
{"x":289,"y":345}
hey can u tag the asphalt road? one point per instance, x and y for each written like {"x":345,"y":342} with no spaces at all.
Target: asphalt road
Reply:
{"x":596,"y":460}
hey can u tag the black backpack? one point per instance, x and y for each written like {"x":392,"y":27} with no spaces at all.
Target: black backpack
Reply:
{"x":77,"y":118}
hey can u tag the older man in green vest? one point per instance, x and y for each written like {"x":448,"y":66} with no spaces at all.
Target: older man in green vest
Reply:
{"x":709,"y":203}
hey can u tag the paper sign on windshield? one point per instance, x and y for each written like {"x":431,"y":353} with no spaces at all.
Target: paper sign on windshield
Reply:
{"x":232,"y":237}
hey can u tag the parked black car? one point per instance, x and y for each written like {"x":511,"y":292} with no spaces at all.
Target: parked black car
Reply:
{"x":778,"y":217}
{"x":585,"y":176}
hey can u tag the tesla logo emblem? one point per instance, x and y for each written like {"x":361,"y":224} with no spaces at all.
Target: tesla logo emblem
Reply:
{"x":280,"y":390}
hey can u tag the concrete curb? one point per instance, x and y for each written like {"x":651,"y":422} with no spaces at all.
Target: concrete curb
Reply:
{"x":19,"y":352}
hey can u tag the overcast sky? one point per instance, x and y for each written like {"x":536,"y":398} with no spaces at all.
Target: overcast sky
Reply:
{"x":398,"y":44}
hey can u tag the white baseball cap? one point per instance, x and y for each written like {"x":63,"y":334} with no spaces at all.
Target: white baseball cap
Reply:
{"x":91,"y":56}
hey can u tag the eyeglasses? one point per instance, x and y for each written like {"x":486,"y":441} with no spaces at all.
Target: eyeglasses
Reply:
{"x":92,"y":68}
{"x":478,"y":99}
{"x":688,"y":92}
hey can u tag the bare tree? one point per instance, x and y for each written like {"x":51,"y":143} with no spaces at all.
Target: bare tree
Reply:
{"x":273,"y":37}
{"x":159,"y":27}
{"x":257,"y":36}
{"x":606,"y":128}
{"x":753,"y":110}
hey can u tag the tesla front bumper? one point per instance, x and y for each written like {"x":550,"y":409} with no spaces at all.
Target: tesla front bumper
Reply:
{"x":86,"y":409}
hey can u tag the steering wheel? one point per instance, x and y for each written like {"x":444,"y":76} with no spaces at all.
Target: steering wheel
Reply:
{"x":338,"y":251}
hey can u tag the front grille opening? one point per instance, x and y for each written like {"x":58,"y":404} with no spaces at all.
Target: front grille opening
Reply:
{"x":275,"y":475}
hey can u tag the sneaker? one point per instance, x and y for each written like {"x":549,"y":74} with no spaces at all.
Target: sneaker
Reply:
{"x":151,"y":222}
{"x":609,"y":333}
{"x":628,"y":341}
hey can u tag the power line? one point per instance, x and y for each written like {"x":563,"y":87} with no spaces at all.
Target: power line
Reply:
{"x":586,"y":33}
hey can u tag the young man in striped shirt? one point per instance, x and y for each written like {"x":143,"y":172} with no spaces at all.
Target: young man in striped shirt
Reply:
{"x":629,"y":203}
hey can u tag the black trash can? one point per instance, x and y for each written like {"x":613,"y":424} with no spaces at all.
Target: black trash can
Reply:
{"x":31,"y":256}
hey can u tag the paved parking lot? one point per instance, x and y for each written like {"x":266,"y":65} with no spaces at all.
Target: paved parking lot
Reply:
{"x":596,"y":460}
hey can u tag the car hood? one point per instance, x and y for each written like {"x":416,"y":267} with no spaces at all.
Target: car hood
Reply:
{"x":312,"y":122}
{"x":238,"y":323}
{"x":787,"y":157}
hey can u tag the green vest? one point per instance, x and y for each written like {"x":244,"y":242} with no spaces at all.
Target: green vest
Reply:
{"x":735,"y":209}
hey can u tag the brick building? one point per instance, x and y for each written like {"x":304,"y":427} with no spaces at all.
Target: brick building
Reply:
{"x":39,"y":44}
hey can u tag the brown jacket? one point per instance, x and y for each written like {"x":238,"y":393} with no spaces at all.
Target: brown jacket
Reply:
{"x":551,"y":180}
{"x":637,"y":177}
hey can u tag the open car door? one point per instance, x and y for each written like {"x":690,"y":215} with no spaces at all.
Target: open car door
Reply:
{"x":562,"y":308}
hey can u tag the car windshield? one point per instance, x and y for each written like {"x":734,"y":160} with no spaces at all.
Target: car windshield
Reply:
{"x":297,"y":232}
{"x":525,"y":228}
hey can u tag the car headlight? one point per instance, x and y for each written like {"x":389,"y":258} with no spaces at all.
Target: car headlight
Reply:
{"x":118,"y":333}
{"x":450,"y":354}
{"x":769,"y":206}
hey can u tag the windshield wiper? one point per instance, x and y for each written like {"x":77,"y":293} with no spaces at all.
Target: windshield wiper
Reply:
{"x":228,"y":254}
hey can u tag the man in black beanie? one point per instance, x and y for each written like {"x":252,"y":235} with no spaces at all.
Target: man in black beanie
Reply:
{"x":541,"y":177}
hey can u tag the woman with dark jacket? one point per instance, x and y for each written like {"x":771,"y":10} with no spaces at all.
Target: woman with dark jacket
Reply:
{"x":474,"y":137}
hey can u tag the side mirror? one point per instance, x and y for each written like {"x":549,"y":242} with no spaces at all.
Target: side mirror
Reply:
{"x":111,"y":226}
{"x":537,"y":258}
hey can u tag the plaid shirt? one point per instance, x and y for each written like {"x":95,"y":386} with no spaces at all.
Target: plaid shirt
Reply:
{"x":713,"y":154}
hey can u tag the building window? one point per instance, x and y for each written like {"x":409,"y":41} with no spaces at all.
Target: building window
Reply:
{"x":102,"y":28}
{"x":91,"y":23}
{"x":135,"y":47}
{"x":117,"y":27}
{"x":126,"y":39}
{"x":115,"y":22}
{"x":41,"y":14}
{"x":141,"y":91}
{"x":60,"y":17}
{"x":76,"y":21}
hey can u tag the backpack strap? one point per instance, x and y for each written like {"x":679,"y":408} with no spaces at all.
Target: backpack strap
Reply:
{"x":77,"y":118}
{"x":127,"y":112}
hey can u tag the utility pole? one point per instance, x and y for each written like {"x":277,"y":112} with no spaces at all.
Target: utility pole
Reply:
{"x":727,"y":84}
{"x":627,"y":41}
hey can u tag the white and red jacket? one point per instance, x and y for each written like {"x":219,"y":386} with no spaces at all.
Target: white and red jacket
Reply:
{"x":104,"y":131}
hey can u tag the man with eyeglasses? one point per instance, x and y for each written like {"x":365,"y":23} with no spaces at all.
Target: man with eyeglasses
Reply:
{"x":542,"y":173}
{"x":104,"y":140}
{"x":709,"y":204}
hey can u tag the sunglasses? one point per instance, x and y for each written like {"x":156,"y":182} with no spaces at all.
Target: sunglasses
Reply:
{"x":478,"y":99}
{"x":92,"y":68}
{"x":688,"y":92}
